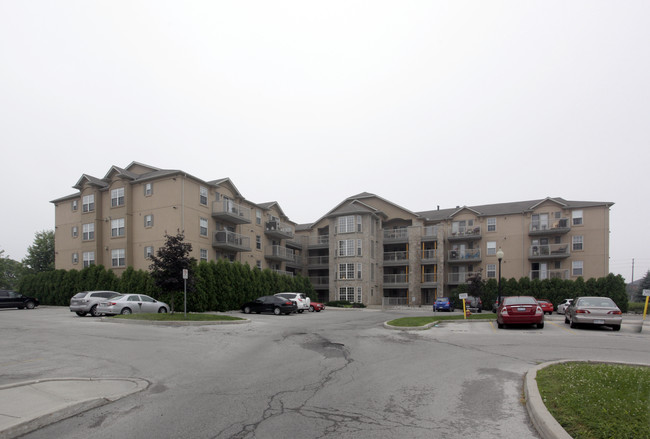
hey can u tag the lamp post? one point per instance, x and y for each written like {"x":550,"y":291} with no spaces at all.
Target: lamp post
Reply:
{"x":499,"y":257}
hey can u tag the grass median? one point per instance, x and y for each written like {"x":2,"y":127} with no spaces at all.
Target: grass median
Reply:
{"x":425,"y":320}
{"x":177,"y":317}
{"x":598,"y":401}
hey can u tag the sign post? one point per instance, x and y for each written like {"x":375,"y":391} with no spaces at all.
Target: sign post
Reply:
{"x":185,"y":276}
{"x":463,"y":296}
{"x":646,"y":293}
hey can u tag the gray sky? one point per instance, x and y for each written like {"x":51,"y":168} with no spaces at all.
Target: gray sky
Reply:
{"x":469,"y":102}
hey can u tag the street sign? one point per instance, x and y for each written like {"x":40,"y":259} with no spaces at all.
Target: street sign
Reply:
{"x":463,"y":296}
{"x":185,"y":273}
{"x":646,"y":292}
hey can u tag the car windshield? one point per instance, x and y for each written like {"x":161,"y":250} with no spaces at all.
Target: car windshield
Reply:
{"x":519,"y":301}
{"x":442,"y":299}
{"x":80,"y":295}
{"x":597,"y":302}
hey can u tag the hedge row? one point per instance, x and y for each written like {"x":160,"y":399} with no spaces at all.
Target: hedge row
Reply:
{"x":213,"y":286}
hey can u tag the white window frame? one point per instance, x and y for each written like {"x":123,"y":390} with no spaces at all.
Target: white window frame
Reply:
{"x":346,"y":293}
{"x":359,"y":225}
{"x":148,"y":251}
{"x":203,"y":227}
{"x":203,"y":195}
{"x":359,"y":270}
{"x":88,"y":203}
{"x":346,"y":271}
{"x":148,"y":189}
{"x":577,"y":268}
{"x":75,"y":258}
{"x":258,"y":216}
{"x":117,"y":228}
{"x":148,"y":220}
{"x":346,"y":224}
{"x":203,"y":255}
{"x":88,"y":259}
{"x":88,"y":232}
{"x":359,"y":247}
{"x":577,"y":243}
{"x":346,"y":247}
{"x":491,"y":271}
{"x":118,"y":257}
{"x":75,"y":205}
{"x":75,"y":231}
{"x":577,"y":218}
{"x":491,"y":249}
{"x":492,"y":224}
{"x":117,"y":197}
{"x":359,"y":294}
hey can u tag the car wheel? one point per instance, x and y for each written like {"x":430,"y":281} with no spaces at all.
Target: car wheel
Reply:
{"x":30,"y":305}
{"x":277,"y":311}
{"x":125,"y":311}
{"x":500,"y":325}
{"x":247,"y":310}
{"x":540,"y":325}
{"x":81,"y":313}
{"x":616,"y":327}
{"x":93,"y":311}
{"x":162,"y":310}
{"x":301,"y":311}
{"x":288,"y":313}
{"x":311,"y":308}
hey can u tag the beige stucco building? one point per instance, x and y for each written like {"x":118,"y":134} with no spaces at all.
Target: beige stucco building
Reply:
{"x":366,"y":249}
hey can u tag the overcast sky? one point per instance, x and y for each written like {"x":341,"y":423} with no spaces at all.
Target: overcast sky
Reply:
{"x":423,"y":103}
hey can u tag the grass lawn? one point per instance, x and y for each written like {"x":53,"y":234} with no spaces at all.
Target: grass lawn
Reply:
{"x":177,"y":317}
{"x":598,"y":401}
{"x":425,"y":320}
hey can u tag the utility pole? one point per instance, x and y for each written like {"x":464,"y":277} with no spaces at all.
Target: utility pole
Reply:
{"x":632,"y":270}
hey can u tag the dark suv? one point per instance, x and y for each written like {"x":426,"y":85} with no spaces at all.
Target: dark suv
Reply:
{"x":474,"y":304}
{"x":12,"y":299}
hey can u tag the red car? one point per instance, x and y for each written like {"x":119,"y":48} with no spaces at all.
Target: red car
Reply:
{"x":316,"y":306}
{"x":516,"y":310}
{"x":547,"y":306}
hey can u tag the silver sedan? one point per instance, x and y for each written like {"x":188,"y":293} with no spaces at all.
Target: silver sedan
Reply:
{"x":594,"y":311}
{"x":131,"y":303}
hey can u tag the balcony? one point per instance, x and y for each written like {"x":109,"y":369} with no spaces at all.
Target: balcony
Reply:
{"x":278,"y":230}
{"x":467,"y":255}
{"x":318,"y":261}
{"x":469,"y":233}
{"x":396,"y":258}
{"x":283,"y":272}
{"x":320,"y":241}
{"x":549,"y":274}
{"x":231,"y":212}
{"x":461,"y":278}
{"x":279,"y":253}
{"x":429,"y":279}
{"x":559,"y":227}
{"x":320,"y":282}
{"x":430,"y":233}
{"x":396,"y":280}
{"x":548,"y":251}
{"x":231,"y":241}
{"x":396,"y":235}
{"x":296,"y":261}
{"x":429,"y":256}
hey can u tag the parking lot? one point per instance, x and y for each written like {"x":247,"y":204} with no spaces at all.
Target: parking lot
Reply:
{"x":338,"y":373}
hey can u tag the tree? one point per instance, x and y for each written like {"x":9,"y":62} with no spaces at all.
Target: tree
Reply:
{"x":10,"y":272}
{"x":40,"y":255}
{"x":168,"y":263}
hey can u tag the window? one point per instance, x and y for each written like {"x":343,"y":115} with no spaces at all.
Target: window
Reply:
{"x":359,"y":295}
{"x":346,"y":271}
{"x":75,"y":231}
{"x":346,"y":224}
{"x":491,"y":271}
{"x":576,"y":243}
{"x":359,"y":265}
{"x":258,"y":264}
{"x":75,"y":258}
{"x":577,"y":217}
{"x":491,"y":224}
{"x":358,"y":223}
{"x":75,"y":205}
{"x":258,"y":216}
{"x":346,"y":247}
{"x":148,"y":220}
{"x":491,"y":248}
{"x":88,"y":232}
{"x":359,"y":253}
{"x":203,"y":227}
{"x":117,"y":258}
{"x":576,"y":268}
{"x":117,"y":227}
{"x":203,"y":195}
{"x":148,"y":189}
{"x":88,"y":203}
{"x":117,"y":197}
{"x":148,"y":251}
{"x":204,"y":255}
{"x":89,"y":259}
{"x":346,"y":293}
{"x":258,"y":242}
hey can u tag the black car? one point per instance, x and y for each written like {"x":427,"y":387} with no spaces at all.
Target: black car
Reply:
{"x":12,"y":299}
{"x":275,"y":304}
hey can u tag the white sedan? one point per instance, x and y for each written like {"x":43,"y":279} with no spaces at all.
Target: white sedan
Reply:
{"x":131,"y":303}
{"x":561,"y":308}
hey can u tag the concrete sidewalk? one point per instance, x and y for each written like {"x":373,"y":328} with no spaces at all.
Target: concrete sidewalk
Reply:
{"x":30,"y":405}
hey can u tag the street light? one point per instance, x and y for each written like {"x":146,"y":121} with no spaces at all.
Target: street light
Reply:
{"x":499,"y":257}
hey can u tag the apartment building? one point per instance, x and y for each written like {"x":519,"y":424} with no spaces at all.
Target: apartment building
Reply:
{"x":366,"y":249}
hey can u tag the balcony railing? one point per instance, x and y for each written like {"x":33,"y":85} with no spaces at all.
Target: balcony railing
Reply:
{"x":320,"y":281}
{"x":549,"y":274}
{"x":280,"y":253}
{"x":318,"y":260}
{"x":319,"y":241}
{"x":396,"y":258}
{"x":548,"y":251}
{"x":430,"y":233}
{"x":396,"y":234}
{"x":461,"y":278}
{"x":556,"y":227}
{"x":467,"y":255}
{"x":429,"y":278}
{"x":396,"y":278}
{"x":231,"y":212}
{"x":465,"y":233}
{"x":231,"y":241}
{"x":279,"y":230}
{"x":429,"y":255}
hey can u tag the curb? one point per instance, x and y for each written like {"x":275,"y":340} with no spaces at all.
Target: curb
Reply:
{"x":176,"y":323}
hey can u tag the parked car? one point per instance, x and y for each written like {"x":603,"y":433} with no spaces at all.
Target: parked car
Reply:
{"x":131,"y":303}
{"x":275,"y":304}
{"x":546,"y":305}
{"x":12,"y":299}
{"x":302,"y":300}
{"x":475,"y":304}
{"x":86,"y":302}
{"x":561,"y":308}
{"x":443,"y":304}
{"x":594,"y":311}
{"x":316,"y":306}
{"x":520,"y":310}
